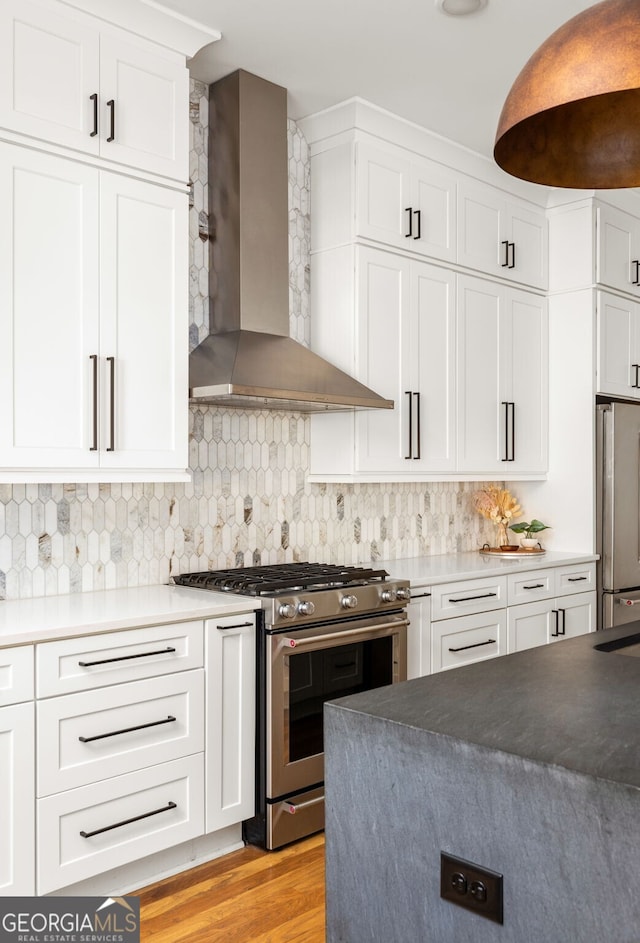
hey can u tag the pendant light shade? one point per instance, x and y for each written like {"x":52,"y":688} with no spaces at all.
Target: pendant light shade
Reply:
{"x":572,"y":117}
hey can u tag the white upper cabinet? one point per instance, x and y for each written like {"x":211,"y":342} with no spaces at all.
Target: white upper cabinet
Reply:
{"x":100,"y":91}
{"x":618,"y":372}
{"x":617,"y":249}
{"x":501,"y":236}
{"x":502,"y":371}
{"x":93,"y":341}
{"x":406,"y":328}
{"x":405,"y":202}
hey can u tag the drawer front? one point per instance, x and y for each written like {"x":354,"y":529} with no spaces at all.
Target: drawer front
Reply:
{"x":95,"y":735}
{"x":529,"y":586}
{"x":454,"y":599}
{"x":85,"y":831}
{"x":462,"y":641}
{"x":580,"y":578}
{"x":94,"y":661}
{"x":16,"y":674}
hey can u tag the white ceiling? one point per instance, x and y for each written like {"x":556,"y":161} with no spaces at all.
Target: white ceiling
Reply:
{"x":449,"y":74}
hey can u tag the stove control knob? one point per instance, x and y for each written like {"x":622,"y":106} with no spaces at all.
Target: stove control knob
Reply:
{"x":306,"y":608}
{"x":403,"y":593}
{"x":388,"y":595}
{"x":349,"y":602}
{"x":287,"y":610}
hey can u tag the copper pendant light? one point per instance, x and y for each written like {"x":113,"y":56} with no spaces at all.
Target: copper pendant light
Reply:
{"x":572,"y":117}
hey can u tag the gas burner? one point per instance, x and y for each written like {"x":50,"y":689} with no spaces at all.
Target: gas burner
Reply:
{"x":281,"y":578}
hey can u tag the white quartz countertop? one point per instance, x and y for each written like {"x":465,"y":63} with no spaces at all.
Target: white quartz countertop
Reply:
{"x":451,"y":567}
{"x":52,"y":617}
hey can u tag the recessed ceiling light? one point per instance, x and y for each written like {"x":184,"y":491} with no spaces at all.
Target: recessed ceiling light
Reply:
{"x":461,"y":7}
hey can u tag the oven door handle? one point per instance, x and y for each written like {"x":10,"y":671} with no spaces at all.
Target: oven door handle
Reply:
{"x":293,"y":807}
{"x":346,"y":634}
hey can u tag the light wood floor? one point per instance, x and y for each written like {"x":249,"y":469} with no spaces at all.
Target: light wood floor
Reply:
{"x":249,"y":896}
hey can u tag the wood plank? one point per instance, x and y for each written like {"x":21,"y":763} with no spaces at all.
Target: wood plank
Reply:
{"x":248,"y":896}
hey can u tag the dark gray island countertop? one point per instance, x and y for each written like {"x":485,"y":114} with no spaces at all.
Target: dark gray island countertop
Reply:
{"x":564,"y":704}
{"x":527,"y":765}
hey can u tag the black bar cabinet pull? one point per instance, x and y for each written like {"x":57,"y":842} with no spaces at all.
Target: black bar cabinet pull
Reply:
{"x":419,"y":596}
{"x":463,"y":648}
{"x":469,"y":598}
{"x":94,"y":410}
{"x":636,"y":367}
{"x":112,"y":404}
{"x":408,"y":393}
{"x":108,"y":661}
{"x":418,"y":213}
{"x":236,"y":625}
{"x":576,"y":579}
{"x":116,"y":733}
{"x":513,"y":432}
{"x":556,"y":633}
{"x":636,"y":264}
{"x":112,"y":120}
{"x":512,"y":264}
{"x":506,"y":432}
{"x":417,"y":396}
{"x":562,"y":631}
{"x":534,"y":586}
{"x":94,"y":99}
{"x":136,"y":818}
{"x":505,"y":264}
{"x":409,"y":210}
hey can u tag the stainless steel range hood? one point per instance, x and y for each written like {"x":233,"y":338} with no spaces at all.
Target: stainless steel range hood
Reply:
{"x":248,"y":359}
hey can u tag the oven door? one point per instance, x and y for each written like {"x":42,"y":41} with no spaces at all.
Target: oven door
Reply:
{"x":315,"y":664}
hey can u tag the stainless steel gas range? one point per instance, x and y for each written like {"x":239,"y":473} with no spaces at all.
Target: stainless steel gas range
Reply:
{"x":324,"y":632}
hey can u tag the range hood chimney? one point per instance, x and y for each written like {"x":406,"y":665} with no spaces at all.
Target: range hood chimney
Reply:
{"x":248,"y":359}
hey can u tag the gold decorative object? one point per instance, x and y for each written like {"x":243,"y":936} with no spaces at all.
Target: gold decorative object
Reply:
{"x":572,"y":117}
{"x":497,"y":505}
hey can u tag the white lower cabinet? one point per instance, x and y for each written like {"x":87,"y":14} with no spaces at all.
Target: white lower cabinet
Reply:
{"x":17,"y":824}
{"x":538,"y":623}
{"x":419,"y":633}
{"x":230,"y":710}
{"x":82,"y":832}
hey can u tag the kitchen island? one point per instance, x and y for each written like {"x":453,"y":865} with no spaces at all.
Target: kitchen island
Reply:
{"x":526,"y":765}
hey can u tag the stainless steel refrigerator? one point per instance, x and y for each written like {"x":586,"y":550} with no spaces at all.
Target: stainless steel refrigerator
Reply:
{"x":618,"y":512}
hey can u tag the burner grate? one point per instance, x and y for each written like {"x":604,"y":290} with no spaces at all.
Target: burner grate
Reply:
{"x":281,"y":578}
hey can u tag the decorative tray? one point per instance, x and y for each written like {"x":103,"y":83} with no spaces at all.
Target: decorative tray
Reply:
{"x":520,"y":552}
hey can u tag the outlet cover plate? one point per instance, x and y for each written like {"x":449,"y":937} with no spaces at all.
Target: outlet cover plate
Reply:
{"x":458,"y":882}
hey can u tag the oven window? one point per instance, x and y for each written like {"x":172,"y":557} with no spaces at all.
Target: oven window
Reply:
{"x":316,"y":677}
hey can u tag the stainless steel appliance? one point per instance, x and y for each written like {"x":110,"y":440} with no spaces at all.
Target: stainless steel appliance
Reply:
{"x":618,"y":512}
{"x":324,"y":632}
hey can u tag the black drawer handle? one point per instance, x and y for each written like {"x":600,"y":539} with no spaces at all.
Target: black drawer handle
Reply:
{"x":345,"y":664}
{"x":409,"y":235}
{"x":136,"y":818}
{"x":463,"y":648}
{"x":469,"y":598}
{"x":419,"y":596}
{"x":576,"y":579}
{"x":236,"y":625}
{"x":94,"y":99}
{"x":108,"y":661}
{"x":535,"y":586}
{"x":112,"y":122}
{"x":116,"y":733}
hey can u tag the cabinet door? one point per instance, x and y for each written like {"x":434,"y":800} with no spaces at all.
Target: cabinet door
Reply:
{"x":17,"y":800}
{"x":48,"y":71}
{"x":384,"y":360}
{"x":433,"y":207}
{"x":530,"y":625}
{"x":483,"y":329}
{"x":528,"y":255}
{"x":419,"y":634}
{"x":147,"y":124}
{"x":577,"y":615}
{"x":383,"y":196}
{"x":468,"y":639}
{"x":481,"y":227}
{"x":617,"y":249}
{"x":143,"y":325}
{"x":618,"y":346}
{"x":49,"y":301}
{"x":526,"y":364}
{"x":230,"y":747}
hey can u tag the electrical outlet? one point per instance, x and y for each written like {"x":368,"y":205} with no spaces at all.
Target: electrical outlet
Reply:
{"x":471,"y":886}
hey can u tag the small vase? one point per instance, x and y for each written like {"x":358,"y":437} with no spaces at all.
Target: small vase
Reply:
{"x":502,"y":535}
